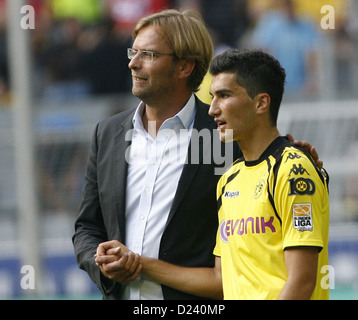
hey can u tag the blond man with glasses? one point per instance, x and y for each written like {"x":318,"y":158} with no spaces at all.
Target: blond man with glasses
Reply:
{"x":138,"y":190}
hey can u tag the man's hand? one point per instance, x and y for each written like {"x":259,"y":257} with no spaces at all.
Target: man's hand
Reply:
{"x":117,"y":263}
{"x":309,"y":148}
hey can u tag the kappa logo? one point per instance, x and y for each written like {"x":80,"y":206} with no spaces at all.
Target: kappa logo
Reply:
{"x":302,"y":216}
{"x":297,"y":170}
{"x":231,"y":194}
{"x":292,"y":156}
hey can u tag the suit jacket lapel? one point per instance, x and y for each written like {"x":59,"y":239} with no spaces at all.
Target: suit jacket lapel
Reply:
{"x":202,"y":121}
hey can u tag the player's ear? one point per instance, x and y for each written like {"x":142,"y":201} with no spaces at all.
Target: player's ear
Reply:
{"x":262,"y":102}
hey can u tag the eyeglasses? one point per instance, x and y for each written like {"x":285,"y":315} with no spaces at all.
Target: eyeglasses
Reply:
{"x":145,"y":55}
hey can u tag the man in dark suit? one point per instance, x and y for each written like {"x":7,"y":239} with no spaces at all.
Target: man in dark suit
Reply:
{"x":135,"y":191}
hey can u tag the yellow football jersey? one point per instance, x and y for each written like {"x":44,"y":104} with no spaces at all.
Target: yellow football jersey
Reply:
{"x":266,"y":206}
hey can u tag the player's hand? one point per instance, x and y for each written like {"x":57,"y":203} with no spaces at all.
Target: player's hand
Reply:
{"x":110,"y":247}
{"x":309,"y":148}
{"x":117,"y":263}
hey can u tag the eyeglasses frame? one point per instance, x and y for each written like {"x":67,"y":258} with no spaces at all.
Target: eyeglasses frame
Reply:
{"x":152,"y":54}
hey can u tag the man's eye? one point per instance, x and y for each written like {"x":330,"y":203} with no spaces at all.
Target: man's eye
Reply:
{"x":146,"y":54}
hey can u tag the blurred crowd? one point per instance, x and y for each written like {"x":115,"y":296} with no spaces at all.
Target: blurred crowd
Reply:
{"x":79,"y":47}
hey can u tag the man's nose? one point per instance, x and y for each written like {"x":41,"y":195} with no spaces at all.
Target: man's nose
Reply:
{"x":134,"y":63}
{"x":214,"y":110}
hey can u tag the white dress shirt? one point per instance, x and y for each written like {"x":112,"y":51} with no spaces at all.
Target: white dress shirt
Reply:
{"x":155,"y":166}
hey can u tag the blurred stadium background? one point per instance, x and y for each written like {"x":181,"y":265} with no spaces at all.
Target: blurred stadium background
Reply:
{"x":78,"y":75}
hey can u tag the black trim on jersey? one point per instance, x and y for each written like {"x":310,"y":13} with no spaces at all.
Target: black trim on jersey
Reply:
{"x":272,"y":149}
{"x":280,"y":144}
{"x":275,"y":150}
{"x":269,"y":192}
{"x":229,"y":179}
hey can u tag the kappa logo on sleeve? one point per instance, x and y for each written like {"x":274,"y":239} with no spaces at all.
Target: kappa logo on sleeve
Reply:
{"x":302,"y":216}
{"x":297,"y":170}
{"x":292,"y":156}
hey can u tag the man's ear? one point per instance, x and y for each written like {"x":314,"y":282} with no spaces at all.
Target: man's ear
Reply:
{"x":186,"y":68}
{"x":262,"y":102}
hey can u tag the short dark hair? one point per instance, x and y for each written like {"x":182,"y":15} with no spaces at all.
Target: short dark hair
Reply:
{"x":256,"y":71}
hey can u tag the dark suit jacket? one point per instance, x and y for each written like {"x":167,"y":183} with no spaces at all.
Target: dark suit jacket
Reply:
{"x":190,"y":233}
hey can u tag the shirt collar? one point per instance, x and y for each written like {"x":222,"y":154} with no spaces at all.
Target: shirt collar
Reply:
{"x":186,"y":115}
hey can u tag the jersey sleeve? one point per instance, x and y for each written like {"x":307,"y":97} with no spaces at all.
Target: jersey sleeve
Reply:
{"x":301,"y":200}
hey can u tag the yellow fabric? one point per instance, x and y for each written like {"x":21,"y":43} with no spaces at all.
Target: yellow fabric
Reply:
{"x":204,"y":91}
{"x":251,"y":238}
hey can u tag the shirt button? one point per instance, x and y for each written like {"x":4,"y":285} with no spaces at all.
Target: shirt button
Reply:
{"x":147,"y":189}
{"x":141,"y":217}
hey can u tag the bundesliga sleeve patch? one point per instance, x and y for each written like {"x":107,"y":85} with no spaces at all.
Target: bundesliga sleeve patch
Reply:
{"x":302,"y":216}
